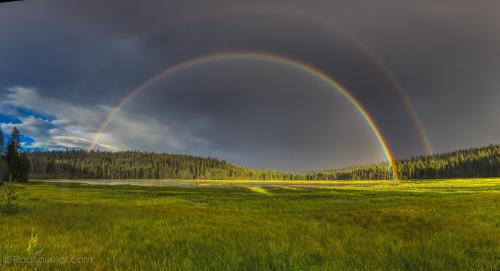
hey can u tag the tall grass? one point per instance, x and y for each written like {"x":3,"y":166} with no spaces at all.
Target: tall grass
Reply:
{"x":438,"y":225}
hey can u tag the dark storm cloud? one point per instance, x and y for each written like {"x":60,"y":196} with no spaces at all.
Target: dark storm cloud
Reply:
{"x":446,"y":55}
{"x":260,"y":114}
{"x":90,"y":54}
{"x":274,"y":33}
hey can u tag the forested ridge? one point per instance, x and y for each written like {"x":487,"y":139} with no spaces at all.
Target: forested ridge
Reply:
{"x":137,"y":165}
{"x":467,"y":163}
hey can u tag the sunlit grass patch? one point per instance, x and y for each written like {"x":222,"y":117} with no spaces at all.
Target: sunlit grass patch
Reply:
{"x":406,"y":225}
{"x":291,"y":188}
{"x":260,"y":190}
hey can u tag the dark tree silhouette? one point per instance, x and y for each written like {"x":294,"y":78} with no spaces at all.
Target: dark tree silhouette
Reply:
{"x":18,"y":163}
{"x":3,"y":164}
{"x":474,"y":162}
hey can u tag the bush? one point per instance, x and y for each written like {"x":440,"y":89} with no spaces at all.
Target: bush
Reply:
{"x":11,"y":198}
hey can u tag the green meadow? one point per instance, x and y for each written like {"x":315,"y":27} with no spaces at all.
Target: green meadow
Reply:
{"x":252,"y":225}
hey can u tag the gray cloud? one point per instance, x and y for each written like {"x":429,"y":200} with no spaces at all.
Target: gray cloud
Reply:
{"x":75,"y":126}
{"x":83,"y":57}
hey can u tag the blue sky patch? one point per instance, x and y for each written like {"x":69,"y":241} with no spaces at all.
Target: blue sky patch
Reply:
{"x":27,"y":141}
{"x":25,"y":112}
{"x":6,"y":118}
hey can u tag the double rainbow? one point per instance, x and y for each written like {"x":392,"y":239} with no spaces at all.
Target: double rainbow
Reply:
{"x":255,"y":56}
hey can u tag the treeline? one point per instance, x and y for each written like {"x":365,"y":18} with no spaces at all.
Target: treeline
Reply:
{"x":14,"y":163}
{"x":137,"y":165}
{"x":469,"y":163}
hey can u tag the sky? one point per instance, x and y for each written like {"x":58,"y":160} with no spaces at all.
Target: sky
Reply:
{"x":425,"y":72}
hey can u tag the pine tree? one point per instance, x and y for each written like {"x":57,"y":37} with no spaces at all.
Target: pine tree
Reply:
{"x":1,"y":141}
{"x":3,"y":165}
{"x":18,"y":164}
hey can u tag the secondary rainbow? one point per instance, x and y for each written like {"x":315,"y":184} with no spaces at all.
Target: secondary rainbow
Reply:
{"x":259,"y":56}
{"x":367,"y":52}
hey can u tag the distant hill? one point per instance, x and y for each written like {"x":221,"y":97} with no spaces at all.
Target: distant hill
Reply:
{"x":467,"y":163}
{"x":136,"y":165}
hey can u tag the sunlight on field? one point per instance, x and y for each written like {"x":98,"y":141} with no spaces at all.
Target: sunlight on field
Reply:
{"x":335,"y":225}
{"x":258,"y":190}
{"x":456,"y":185}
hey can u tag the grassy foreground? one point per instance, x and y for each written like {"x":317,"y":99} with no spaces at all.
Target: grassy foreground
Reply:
{"x":432,"y":225}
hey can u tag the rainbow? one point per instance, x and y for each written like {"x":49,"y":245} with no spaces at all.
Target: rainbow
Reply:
{"x":372,"y":57}
{"x":417,"y":122}
{"x":260,"y":56}
{"x":366,"y":51}
{"x":376,"y":61}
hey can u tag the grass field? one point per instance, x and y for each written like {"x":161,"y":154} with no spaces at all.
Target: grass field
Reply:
{"x":217,"y":225}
